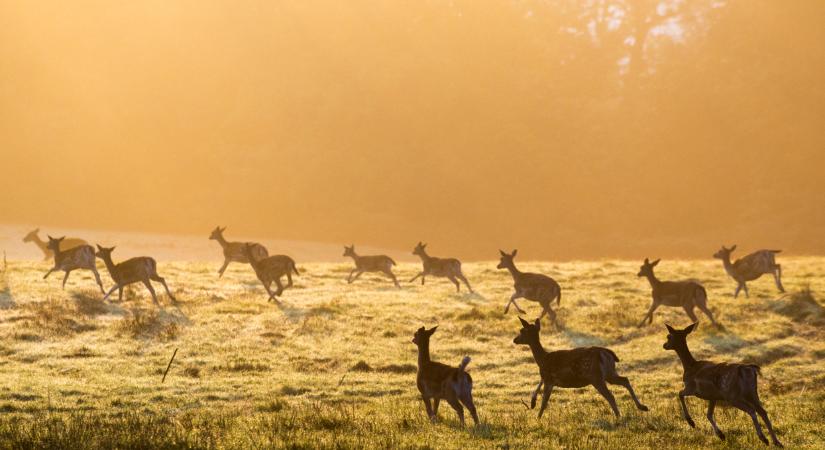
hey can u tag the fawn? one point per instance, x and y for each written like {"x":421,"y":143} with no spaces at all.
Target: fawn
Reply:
{"x":438,"y":381}
{"x":65,"y":244}
{"x":735,"y":384}
{"x":687,"y":294}
{"x":439,"y":267}
{"x":234,"y":251}
{"x":270,"y":269}
{"x":532,"y":286}
{"x":751,"y":267}
{"x":575,"y":368}
{"x":133,"y":270}
{"x":81,"y":257}
{"x":373,"y":263}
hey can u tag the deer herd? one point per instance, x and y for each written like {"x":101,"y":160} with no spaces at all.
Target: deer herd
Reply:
{"x":733,"y":384}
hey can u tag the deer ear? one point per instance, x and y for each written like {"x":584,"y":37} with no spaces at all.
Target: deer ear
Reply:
{"x":524,"y":323}
{"x":654,"y":263}
{"x":432,"y":330}
{"x":36,"y":230}
{"x":537,"y":323}
{"x":514,"y":252}
{"x":733,"y":248}
{"x":670,"y":329}
{"x":502,"y":252}
{"x":647,"y":261}
{"x":99,"y":247}
{"x":691,"y":327}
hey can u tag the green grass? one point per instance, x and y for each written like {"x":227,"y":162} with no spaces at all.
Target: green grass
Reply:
{"x":333,"y":366}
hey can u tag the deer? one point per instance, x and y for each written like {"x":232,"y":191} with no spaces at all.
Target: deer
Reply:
{"x":531,"y":286}
{"x":81,"y":257}
{"x":688,"y":294}
{"x":65,"y":244}
{"x":437,"y":381}
{"x":751,"y":267}
{"x":270,"y":269}
{"x":133,"y":270}
{"x":734,"y":384}
{"x":371,"y":263}
{"x":439,"y":267}
{"x":234,"y":251}
{"x":574,"y":368}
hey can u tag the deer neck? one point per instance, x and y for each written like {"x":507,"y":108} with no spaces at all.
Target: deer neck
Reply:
{"x":538,"y":351}
{"x":685,"y":356}
{"x":513,"y":270}
{"x":40,"y":243}
{"x":222,"y":241}
{"x":354,"y":256}
{"x":654,"y":282}
{"x":423,"y":354}
{"x":424,"y":256}
{"x":727,"y":264}
{"x":110,"y":265}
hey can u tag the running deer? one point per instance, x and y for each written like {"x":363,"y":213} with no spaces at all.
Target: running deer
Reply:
{"x":373,"y":263}
{"x":81,"y":257}
{"x":65,"y":244}
{"x":575,"y":368}
{"x":751,"y":267}
{"x":439,"y":267}
{"x":438,"y":381}
{"x":687,"y":294}
{"x":234,"y":251}
{"x":133,"y":270}
{"x":270,"y":269}
{"x":734,"y":384}
{"x":532,"y":286}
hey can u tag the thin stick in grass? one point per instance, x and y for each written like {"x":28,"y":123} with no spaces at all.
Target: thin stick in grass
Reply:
{"x":169,"y":365}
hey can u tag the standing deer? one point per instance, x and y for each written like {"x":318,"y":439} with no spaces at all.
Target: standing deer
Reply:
{"x":81,"y":257}
{"x":440,"y":267}
{"x":234,"y":251}
{"x":270,"y":269}
{"x":751,"y":267}
{"x":373,"y":263}
{"x":687,"y":294}
{"x":734,"y":384}
{"x":65,"y":244}
{"x":133,"y":270}
{"x":438,"y":381}
{"x":575,"y":368}
{"x":532,"y":286}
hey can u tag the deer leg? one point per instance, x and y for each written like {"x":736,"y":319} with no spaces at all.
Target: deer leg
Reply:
{"x":267,"y":286}
{"x":682,"y":395}
{"x":349,"y":278}
{"x":49,"y":273}
{"x":750,"y":410}
{"x":429,"y":408}
{"x":389,"y":273}
{"x":649,"y":314}
{"x":764,"y":415}
{"x":738,"y":288}
{"x":704,"y":308}
{"x":280,"y":289}
{"x":119,"y":294}
{"x":357,"y":275}
{"x":464,"y":279}
{"x":513,"y":301}
{"x":160,"y":280}
{"x":602,"y":388}
{"x":66,"y":277}
{"x":453,"y":401}
{"x":151,"y":291}
{"x":466,"y":399}
{"x":535,"y":395}
{"x":116,"y":286}
{"x":689,"y":311}
{"x":623,"y":381}
{"x":711,"y":407}
{"x":745,"y":287}
{"x":223,"y":267}
{"x":288,"y":279}
{"x":97,"y":278}
{"x":548,"y":389}
{"x":549,"y":311}
{"x":777,"y":276}
{"x":420,"y":274}
{"x":457,"y":285}
{"x":436,"y":402}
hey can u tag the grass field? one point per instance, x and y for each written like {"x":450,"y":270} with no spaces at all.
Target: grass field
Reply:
{"x":333,"y":366}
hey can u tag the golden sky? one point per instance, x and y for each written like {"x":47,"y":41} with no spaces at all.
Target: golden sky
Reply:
{"x":567,"y":129}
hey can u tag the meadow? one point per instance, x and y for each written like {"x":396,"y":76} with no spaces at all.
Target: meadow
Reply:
{"x":333,"y":365}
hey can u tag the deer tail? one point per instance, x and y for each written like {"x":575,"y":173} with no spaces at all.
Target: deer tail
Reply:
{"x":775,"y":251}
{"x":753,"y":367}
{"x":558,"y":298}
{"x":464,"y":363}
{"x":294,"y":269}
{"x":615,"y":358}
{"x":392,"y":261}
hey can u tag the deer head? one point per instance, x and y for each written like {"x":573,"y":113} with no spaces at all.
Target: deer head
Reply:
{"x":647,"y":268}
{"x":349,"y":251}
{"x":217,"y":233}
{"x":54,"y":244}
{"x":724,"y":253}
{"x":420,"y":249}
{"x":506,"y":259}
{"x":422,"y":336}
{"x":104,"y":252}
{"x":31,"y":236}
{"x":529,"y":332}
{"x":678,"y":338}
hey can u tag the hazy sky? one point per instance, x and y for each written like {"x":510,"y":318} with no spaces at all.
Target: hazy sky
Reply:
{"x":565,"y":128}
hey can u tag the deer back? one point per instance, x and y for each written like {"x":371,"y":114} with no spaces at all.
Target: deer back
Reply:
{"x":754,"y":265}
{"x":442,"y":266}
{"x":234,"y":251}
{"x":535,"y":285}
{"x":274,"y":266}
{"x":678,"y":293}
{"x":373,"y":263}
{"x":577,"y":367}
{"x":723,"y":381}
{"x":134,"y":269}
{"x":81,"y":257}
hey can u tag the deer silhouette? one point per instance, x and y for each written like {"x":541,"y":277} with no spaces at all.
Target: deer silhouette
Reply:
{"x":687,"y":294}
{"x":751,"y":267}
{"x":532,"y":286}
{"x":449,"y":268}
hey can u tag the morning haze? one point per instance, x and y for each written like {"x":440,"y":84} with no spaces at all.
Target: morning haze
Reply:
{"x":562,"y":129}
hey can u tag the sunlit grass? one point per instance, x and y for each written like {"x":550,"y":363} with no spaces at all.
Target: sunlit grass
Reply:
{"x":334,"y":365}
